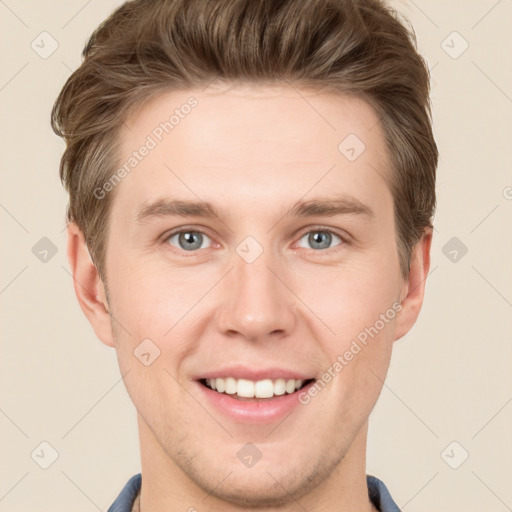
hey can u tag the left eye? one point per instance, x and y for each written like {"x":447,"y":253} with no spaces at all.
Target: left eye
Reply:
{"x":320,"y":239}
{"x":189,"y":240}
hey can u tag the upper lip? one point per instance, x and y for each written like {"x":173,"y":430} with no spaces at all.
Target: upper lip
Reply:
{"x":254,"y":374}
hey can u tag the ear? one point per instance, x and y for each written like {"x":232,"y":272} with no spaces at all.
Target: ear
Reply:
{"x":413,"y":289}
{"x":88,"y":285}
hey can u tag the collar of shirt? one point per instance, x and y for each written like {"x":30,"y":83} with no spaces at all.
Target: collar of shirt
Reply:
{"x":377,"y":491}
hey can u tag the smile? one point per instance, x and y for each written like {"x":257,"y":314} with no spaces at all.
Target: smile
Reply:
{"x":261,"y":389}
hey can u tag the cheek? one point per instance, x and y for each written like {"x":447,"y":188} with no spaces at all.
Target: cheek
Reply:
{"x":349,"y":299}
{"x":153,"y":311}
{"x":147,"y":307}
{"x":152,"y":297}
{"x":359,"y":306}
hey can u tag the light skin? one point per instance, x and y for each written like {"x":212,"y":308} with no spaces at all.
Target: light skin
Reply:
{"x":252,"y":152}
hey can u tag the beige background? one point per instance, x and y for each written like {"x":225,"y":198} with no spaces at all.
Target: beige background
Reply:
{"x":450,"y":378}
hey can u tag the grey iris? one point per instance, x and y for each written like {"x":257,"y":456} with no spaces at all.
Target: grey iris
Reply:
{"x":320,"y":237}
{"x":193,"y":240}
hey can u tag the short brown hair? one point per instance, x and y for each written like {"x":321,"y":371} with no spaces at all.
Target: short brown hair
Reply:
{"x":150,"y":46}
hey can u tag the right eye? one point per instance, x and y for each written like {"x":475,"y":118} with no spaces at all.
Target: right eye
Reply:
{"x":187,"y":240}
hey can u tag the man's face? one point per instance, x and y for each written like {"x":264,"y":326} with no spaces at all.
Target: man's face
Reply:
{"x":260,"y":291}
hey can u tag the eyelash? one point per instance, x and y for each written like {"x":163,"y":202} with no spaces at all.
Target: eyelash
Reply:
{"x":317,"y":229}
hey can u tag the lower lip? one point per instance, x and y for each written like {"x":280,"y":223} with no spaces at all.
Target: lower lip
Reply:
{"x":245,"y":411}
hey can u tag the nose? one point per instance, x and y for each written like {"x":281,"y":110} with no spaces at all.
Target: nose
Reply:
{"x":258,"y":302}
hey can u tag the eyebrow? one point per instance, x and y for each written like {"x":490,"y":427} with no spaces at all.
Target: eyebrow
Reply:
{"x":328,"y":207}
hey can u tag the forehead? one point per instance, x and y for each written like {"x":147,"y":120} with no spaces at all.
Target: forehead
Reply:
{"x":246,"y":142}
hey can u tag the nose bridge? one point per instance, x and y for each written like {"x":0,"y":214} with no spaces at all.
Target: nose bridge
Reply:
{"x":257,"y":302}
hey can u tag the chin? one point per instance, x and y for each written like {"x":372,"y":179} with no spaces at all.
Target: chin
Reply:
{"x":265,"y":485}
{"x":259,"y":490}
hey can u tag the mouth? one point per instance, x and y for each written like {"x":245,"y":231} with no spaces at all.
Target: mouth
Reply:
{"x":249,"y":394}
{"x":255,"y":391}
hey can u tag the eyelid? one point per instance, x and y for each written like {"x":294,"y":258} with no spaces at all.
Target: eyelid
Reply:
{"x":186,"y":229}
{"x":342,"y":234}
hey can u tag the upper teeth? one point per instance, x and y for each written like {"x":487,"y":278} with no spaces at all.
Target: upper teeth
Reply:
{"x":260,"y":389}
